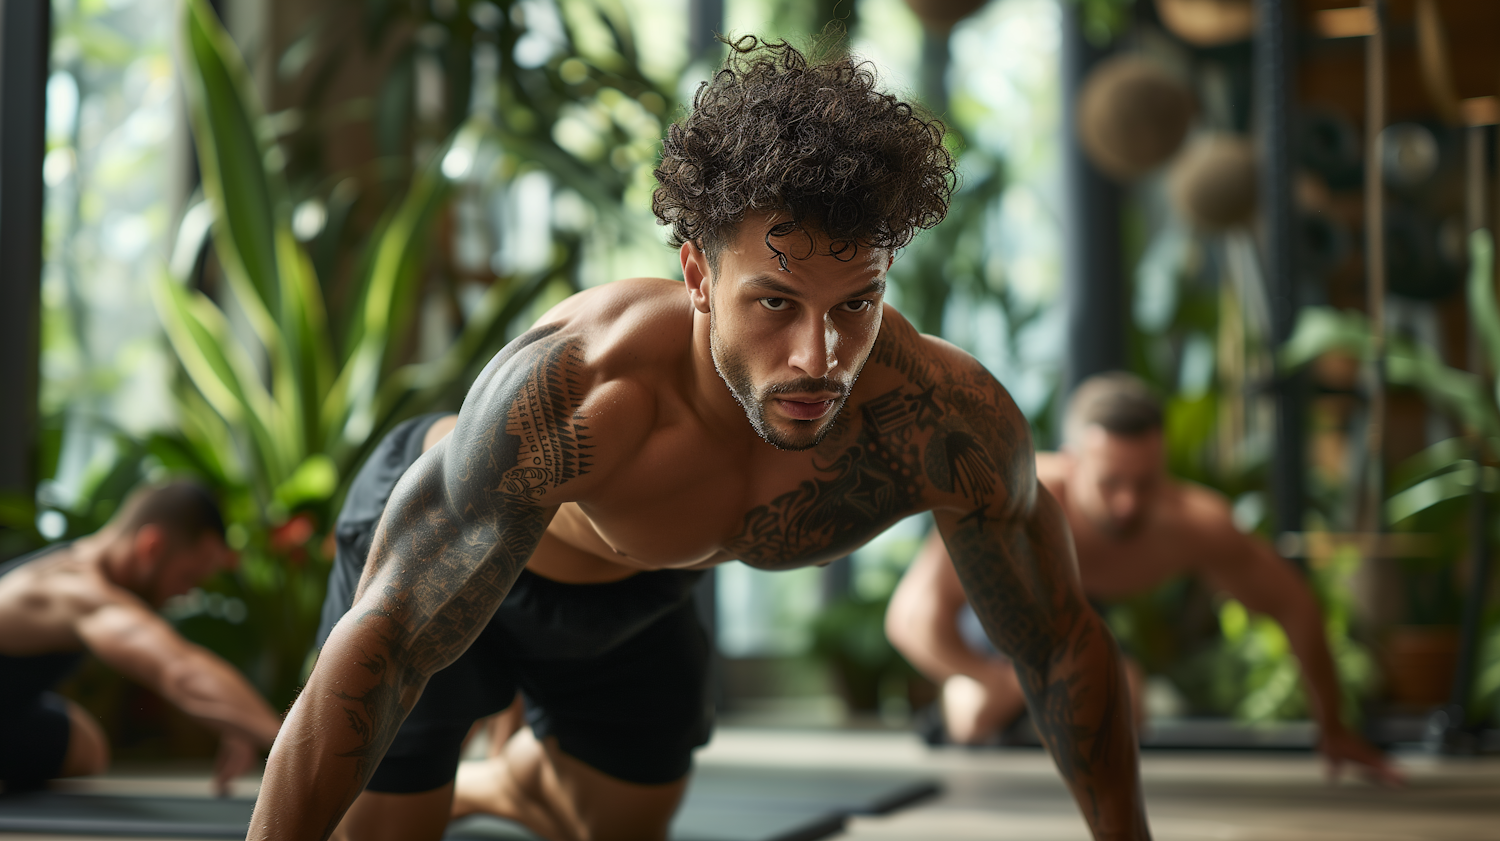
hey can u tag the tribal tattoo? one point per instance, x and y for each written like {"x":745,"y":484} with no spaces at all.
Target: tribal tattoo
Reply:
{"x":950,"y":437}
{"x":459,"y":528}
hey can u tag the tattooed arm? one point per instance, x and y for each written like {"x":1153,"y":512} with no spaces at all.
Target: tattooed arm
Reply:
{"x":1013,"y":553}
{"x":457,"y":531}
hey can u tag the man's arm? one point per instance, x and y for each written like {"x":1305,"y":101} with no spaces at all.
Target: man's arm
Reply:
{"x":1013,"y":553}
{"x":143,"y":647}
{"x":922,"y":619}
{"x":457,"y":531}
{"x":1246,"y":569}
{"x":130,"y":638}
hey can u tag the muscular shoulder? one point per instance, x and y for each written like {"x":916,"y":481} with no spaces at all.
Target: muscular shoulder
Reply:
{"x":1203,"y":520}
{"x":978,"y":444}
{"x":559,"y":404}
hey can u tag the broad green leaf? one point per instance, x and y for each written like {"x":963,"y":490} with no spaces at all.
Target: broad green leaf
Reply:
{"x":314,"y":480}
{"x":1440,"y":488}
{"x":224,"y":114}
{"x":1459,"y":392}
{"x":309,"y":346}
{"x":1323,"y":330}
{"x":218,"y":366}
{"x":1438,"y":458}
{"x":389,"y":298}
{"x":1483,"y":309}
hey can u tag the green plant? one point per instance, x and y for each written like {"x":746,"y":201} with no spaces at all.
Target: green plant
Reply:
{"x":273,"y":412}
{"x":849,"y":635}
{"x":1254,"y":674}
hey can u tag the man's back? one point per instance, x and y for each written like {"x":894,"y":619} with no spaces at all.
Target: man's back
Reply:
{"x":43,"y":600}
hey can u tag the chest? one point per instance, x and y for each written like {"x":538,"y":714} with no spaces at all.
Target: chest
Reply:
{"x":690,"y":499}
{"x":1112,"y":567}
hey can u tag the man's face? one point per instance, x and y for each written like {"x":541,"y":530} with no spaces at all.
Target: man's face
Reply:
{"x":180,"y":565}
{"x":1116,"y":478}
{"x":790,"y":344}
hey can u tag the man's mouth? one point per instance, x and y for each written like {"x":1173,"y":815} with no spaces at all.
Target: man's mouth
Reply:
{"x":802,"y":409}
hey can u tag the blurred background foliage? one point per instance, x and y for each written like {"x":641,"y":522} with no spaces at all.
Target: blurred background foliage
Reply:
{"x":382,"y":192}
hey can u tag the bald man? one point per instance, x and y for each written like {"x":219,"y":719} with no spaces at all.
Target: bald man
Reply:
{"x":1134,"y":528}
{"x":99,"y":594}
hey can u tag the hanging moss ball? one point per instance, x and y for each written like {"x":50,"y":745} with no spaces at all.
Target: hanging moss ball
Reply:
{"x":1213,"y":185}
{"x":941,"y":15}
{"x":1208,"y":23}
{"x":1132,"y":116}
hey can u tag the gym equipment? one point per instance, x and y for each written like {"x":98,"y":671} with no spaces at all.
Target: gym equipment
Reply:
{"x":723,"y":804}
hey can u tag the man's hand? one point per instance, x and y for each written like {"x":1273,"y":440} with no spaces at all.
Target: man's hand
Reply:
{"x":237,"y":754}
{"x":1341,"y":745}
{"x":975,"y":707}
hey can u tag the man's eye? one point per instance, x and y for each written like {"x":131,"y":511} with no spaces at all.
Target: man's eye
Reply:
{"x":855,"y":306}
{"x":775,"y":304}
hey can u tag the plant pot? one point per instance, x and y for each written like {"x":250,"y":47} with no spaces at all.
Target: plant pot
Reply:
{"x":1419,"y":661}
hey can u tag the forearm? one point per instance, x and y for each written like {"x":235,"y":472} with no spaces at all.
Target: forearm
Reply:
{"x":216,"y":694}
{"x":929,"y":640}
{"x":1305,"y":634}
{"x":334,"y":736}
{"x":1080,"y":705}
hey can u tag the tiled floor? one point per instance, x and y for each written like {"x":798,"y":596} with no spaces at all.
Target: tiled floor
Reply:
{"x":1000,"y":794}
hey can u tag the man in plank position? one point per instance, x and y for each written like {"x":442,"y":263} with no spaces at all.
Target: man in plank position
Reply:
{"x":99,"y":594}
{"x":1134,"y":527}
{"x":602,"y":460}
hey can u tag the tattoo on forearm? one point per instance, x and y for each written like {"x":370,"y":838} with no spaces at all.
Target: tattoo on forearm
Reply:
{"x":460,"y":527}
{"x":978,"y":451}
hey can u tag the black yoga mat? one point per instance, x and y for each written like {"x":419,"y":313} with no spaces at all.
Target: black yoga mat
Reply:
{"x":724,"y":804}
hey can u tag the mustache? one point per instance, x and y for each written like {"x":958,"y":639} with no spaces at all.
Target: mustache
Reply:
{"x":807,"y":384}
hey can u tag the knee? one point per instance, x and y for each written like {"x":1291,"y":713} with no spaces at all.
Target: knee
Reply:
{"x":88,"y":748}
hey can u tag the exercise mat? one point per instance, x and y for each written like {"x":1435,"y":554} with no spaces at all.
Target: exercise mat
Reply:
{"x":723,"y":804}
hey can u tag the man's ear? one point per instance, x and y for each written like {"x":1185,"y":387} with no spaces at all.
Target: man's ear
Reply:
{"x":149,"y":543}
{"x":695,"y":273}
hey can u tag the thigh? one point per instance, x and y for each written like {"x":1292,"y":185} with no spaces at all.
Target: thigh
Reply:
{"x":37,"y":741}
{"x":635,"y":713}
{"x":610,"y":808}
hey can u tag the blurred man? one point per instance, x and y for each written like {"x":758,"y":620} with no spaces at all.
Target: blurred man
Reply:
{"x":1134,"y":527}
{"x":99,"y":594}
{"x":772,"y":410}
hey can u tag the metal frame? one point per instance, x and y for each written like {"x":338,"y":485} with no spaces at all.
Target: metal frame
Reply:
{"x":25,"y":42}
{"x":1093,"y":279}
{"x":1273,"y":91}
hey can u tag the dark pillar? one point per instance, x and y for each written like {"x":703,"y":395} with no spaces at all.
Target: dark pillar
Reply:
{"x":705,"y":20}
{"x":25,"y":37}
{"x":1274,"y":56}
{"x":1093,"y":277}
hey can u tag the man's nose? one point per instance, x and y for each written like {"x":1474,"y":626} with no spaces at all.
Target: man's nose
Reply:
{"x":815,"y":347}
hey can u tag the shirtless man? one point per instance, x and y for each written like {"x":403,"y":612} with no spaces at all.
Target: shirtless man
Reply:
{"x":1134,"y":527}
{"x":604,"y":458}
{"x":99,"y":594}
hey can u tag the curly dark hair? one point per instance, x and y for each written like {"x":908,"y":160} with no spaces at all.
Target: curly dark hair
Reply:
{"x":810,"y":138}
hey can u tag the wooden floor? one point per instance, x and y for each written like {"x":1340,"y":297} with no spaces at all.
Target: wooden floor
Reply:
{"x":1000,"y":794}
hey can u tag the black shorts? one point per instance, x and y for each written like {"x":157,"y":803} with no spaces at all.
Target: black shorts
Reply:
{"x":33,"y":739}
{"x":617,"y":672}
{"x":34,"y":722}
